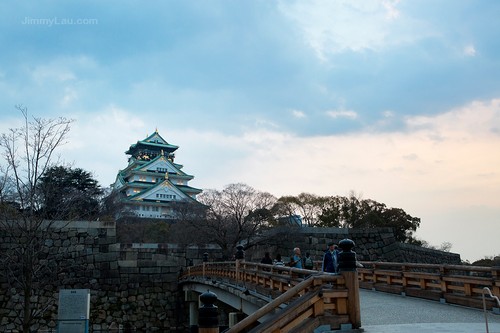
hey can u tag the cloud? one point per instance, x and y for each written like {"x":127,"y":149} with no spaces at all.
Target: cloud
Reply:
{"x":331,"y":27}
{"x":398,"y":168}
{"x":70,"y":95}
{"x":97,"y":140}
{"x":342,"y":114}
{"x":469,"y":50}
{"x":468,"y":123}
{"x":44,"y":73}
{"x":62,"y":69}
{"x":388,"y":114}
{"x":298,"y":114}
{"x":392,"y":11}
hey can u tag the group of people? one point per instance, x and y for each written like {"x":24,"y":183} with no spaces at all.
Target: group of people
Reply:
{"x":329,"y":263}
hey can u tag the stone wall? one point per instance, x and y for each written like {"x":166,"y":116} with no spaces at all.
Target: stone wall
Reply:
{"x":412,"y":253}
{"x":376,"y":244}
{"x":132,"y":285}
{"x":136,"y":284}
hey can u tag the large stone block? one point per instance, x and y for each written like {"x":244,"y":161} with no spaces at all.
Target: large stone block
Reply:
{"x":150,"y":270}
{"x":127,"y":263}
{"x":106,"y":257}
{"x":146,"y":263}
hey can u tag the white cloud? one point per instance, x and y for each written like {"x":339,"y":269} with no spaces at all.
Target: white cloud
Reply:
{"x":388,"y":114}
{"x":44,"y":73}
{"x":342,"y":114}
{"x":298,"y":114}
{"x":469,"y":50}
{"x":62,"y":69}
{"x":392,"y":11}
{"x":97,"y":141}
{"x":329,"y":27}
{"x":373,"y":160}
{"x":70,"y":94}
{"x":478,"y":119}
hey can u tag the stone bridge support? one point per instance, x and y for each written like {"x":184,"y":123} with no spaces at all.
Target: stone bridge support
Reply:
{"x":191,"y":298}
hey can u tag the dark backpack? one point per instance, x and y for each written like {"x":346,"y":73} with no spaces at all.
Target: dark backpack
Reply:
{"x":308,"y":263}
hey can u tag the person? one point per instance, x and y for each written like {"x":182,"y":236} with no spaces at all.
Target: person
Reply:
{"x":330,"y":259}
{"x":308,"y":261}
{"x":296,"y":260}
{"x":267,"y":259}
{"x":278,"y":261}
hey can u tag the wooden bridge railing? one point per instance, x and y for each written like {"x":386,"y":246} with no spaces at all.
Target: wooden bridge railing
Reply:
{"x":457,"y":284}
{"x":312,"y":299}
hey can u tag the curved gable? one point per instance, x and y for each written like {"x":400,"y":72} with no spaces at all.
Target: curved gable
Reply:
{"x":160,"y":164}
{"x":164,"y":191}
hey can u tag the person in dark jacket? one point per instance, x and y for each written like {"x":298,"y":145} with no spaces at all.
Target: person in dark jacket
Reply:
{"x":267,"y":259}
{"x":330,"y":259}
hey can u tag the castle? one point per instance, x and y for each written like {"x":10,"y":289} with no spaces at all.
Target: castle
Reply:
{"x":152,"y":182}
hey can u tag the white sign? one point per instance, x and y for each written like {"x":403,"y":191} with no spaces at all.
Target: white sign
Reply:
{"x":73,"y":310}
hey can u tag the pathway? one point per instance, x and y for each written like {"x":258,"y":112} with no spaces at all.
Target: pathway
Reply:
{"x":389,"y":313}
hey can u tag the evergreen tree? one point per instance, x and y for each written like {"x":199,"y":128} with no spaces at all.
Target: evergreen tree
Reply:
{"x":69,"y":193}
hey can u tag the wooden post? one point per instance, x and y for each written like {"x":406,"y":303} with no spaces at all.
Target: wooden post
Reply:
{"x":353,"y":304}
{"x":237,"y":270}
{"x":347,"y":268}
{"x":495,"y":274}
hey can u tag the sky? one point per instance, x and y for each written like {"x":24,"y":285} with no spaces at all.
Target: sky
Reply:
{"x":396,"y":101}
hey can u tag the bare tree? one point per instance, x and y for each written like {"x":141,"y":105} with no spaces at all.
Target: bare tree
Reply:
{"x":28,"y":151}
{"x":306,"y":205}
{"x":236,"y":214}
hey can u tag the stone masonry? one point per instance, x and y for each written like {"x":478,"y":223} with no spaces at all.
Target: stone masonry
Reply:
{"x":132,"y":285}
{"x":376,"y":244}
{"x":135,"y":285}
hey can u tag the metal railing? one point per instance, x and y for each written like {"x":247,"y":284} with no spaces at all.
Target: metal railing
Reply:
{"x":487,"y":290}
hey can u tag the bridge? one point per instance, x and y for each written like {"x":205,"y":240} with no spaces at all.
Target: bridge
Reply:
{"x":379,"y":297}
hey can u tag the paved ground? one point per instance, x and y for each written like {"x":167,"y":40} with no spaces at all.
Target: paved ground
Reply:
{"x":388,"y":313}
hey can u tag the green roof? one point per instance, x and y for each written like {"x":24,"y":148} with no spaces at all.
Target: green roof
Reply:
{"x":153,"y":142}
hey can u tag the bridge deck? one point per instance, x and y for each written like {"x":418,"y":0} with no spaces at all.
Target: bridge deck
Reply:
{"x":389,"y":313}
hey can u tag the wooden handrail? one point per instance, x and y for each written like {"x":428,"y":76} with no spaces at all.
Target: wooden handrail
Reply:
{"x":451,"y":283}
{"x":458,"y":284}
{"x":271,"y":306}
{"x":314,"y":297}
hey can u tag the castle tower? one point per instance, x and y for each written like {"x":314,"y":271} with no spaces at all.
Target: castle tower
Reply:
{"x":152,"y":182}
